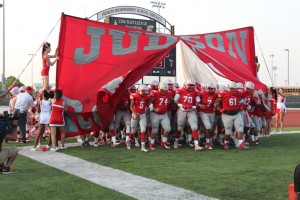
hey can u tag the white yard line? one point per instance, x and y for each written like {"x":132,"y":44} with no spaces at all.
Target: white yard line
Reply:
{"x":131,"y":185}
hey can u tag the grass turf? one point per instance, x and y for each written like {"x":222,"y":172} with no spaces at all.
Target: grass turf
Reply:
{"x":262,"y":172}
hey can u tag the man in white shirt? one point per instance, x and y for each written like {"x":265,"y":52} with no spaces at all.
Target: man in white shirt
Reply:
{"x":23,"y":102}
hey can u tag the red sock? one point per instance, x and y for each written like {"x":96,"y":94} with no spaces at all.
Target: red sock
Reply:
{"x":195,"y":135}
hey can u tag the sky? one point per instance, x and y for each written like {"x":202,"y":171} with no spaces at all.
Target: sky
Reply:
{"x":276,"y":24}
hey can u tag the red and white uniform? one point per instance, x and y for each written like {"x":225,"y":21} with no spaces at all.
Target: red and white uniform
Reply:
{"x":140,"y":105}
{"x":231,"y":116}
{"x":46,"y":67}
{"x":57,"y":114}
{"x":160,"y":111}
{"x":187,"y":99}
{"x":247,"y":98}
{"x":207,"y":113}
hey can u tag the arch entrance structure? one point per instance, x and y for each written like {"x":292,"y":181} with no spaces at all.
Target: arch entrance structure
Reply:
{"x":166,"y":68}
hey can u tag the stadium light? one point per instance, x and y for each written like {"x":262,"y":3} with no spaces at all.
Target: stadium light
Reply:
{"x":272,"y":75}
{"x":288,"y":66}
{"x":3,"y":75}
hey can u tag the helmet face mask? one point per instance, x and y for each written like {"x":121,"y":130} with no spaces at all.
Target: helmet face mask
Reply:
{"x":190,"y":84}
{"x":232,"y":87}
{"x":163,"y":88}
{"x":154,"y":84}
{"x":143,"y":90}
{"x":210,"y":88}
{"x":132,"y":89}
{"x":249,"y":86}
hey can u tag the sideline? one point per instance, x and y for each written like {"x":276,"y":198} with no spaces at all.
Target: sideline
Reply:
{"x":131,"y":185}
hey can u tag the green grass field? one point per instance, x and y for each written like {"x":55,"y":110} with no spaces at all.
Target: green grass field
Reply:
{"x":262,"y":172}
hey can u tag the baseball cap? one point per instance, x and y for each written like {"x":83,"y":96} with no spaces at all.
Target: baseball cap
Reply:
{"x":29,"y":88}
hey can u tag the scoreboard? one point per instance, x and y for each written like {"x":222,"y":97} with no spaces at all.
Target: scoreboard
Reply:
{"x":167,"y":66}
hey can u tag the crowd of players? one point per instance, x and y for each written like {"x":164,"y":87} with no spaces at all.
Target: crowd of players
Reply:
{"x":203,"y":115}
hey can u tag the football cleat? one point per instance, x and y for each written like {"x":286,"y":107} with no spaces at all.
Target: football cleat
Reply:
{"x":165,"y":146}
{"x":190,"y":144}
{"x":243,"y":146}
{"x":198,"y":148}
{"x":152,"y":146}
{"x":208,"y":146}
{"x":128,"y":144}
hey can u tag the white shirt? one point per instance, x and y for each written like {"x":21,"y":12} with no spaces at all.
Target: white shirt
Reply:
{"x":24,"y":101}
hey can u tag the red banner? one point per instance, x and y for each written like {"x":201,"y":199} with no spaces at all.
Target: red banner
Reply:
{"x":230,"y":54}
{"x":91,"y":55}
{"x":98,"y":62}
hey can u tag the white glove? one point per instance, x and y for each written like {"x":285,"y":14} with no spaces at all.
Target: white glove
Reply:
{"x":249,"y":107}
{"x":151,"y":107}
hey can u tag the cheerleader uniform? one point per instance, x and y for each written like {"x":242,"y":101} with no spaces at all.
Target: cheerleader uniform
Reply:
{"x":281,"y":108}
{"x":57,"y":114}
{"x":46,"y":67}
{"x":45,"y":111}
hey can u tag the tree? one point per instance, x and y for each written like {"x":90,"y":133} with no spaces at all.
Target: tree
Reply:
{"x":12,"y":80}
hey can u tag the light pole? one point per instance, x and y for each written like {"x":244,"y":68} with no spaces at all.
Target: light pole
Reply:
{"x":272,"y":75}
{"x":32,"y":55}
{"x":3,"y":75}
{"x":288,"y":67}
{"x":158,"y":4}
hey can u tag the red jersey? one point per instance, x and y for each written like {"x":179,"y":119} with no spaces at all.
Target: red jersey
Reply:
{"x":208,"y":100}
{"x":140,"y":102}
{"x":45,"y":69}
{"x":230,"y":101}
{"x":247,"y":96}
{"x":161,"y":101}
{"x":187,"y":98}
{"x":124,"y":103}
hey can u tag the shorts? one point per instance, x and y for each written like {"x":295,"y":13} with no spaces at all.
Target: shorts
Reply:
{"x":6,"y":153}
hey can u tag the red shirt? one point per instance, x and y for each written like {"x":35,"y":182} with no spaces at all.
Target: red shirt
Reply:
{"x":208,"y":100}
{"x":247,"y":96}
{"x":230,"y":100}
{"x":161,"y":101}
{"x":187,"y":97}
{"x":140,"y":102}
{"x":124,"y":103}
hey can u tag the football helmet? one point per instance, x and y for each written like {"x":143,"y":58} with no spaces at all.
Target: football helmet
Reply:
{"x":210,"y":87}
{"x":190,"y":84}
{"x":240,"y":85}
{"x":132,"y":89}
{"x":249,"y":85}
{"x":154,"y":84}
{"x":232,"y":86}
{"x":163,"y":88}
{"x":143,"y":90}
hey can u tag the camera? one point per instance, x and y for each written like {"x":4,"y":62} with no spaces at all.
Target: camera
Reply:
{"x":7,"y":123}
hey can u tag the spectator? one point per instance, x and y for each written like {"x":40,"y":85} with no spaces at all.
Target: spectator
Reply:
{"x":281,"y":110}
{"x":45,"y":112}
{"x":24,"y":101}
